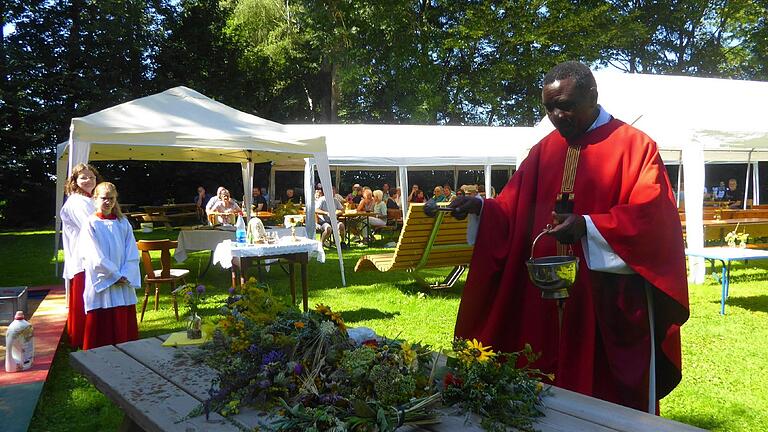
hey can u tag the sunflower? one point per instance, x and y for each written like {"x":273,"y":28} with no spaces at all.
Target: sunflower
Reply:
{"x":475,"y":351}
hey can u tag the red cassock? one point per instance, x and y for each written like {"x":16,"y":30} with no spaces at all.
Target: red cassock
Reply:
{"x":110,"y":326}
{"x":76,"y":314}
{"x":603,"y":349}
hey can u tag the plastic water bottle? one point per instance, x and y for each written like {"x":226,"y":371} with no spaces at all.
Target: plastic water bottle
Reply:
{"x":19,"y":345}
{"x":240,"y":230}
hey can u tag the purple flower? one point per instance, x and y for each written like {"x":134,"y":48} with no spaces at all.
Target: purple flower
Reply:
{"x":200,"y":289}
{"x":254,"y":350}
{"x":273,"y":357}
{"x":190,"y":293}
{"x":231,"y":290}
{"x":298,"y":369}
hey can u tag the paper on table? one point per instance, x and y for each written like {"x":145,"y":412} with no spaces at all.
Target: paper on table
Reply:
{"x":181,"y":339}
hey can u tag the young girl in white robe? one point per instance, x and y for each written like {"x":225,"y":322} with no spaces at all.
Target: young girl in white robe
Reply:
{"x":111,"y":262}
{"x":74,"y":216}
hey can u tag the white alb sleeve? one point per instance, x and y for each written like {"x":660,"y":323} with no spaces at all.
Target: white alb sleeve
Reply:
{"x":599,"y":254}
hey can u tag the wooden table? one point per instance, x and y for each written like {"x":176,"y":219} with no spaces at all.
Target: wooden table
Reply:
{"x":157,"y":386}
{"x":350,"y":216}
{"x":167,"y":212}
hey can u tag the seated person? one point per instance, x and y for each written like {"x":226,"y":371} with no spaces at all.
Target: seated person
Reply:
{"x":393,"y":201}
{"x":258,"y":200}
{"x":438,"y":195}
{"x":379,"y":208}
{"x":214,"y":200}
{"x":416,"y":195}
{"x":324,"y":221}
{"x":733,"y":195}
{"x":225,"y":207}
{"x":449,"y":195}
{"x":290,"y":196}
{"x":338,"y":196}
{"x":385,"y":189}
{"x":201,"y":200}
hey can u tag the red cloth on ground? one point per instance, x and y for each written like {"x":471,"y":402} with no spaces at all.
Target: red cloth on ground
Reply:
{"x":603,"y":349}
{"x":76,"y":313}
{"x":110,"y":326}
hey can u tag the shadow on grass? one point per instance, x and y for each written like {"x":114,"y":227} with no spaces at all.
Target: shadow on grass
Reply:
{"x":752,"y":303}
{"x":700,"y":420}
{"x":415,"y":287}
{"x":364,"y":314}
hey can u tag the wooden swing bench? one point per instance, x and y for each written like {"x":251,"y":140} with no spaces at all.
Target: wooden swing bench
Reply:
{"x":425,"y":242}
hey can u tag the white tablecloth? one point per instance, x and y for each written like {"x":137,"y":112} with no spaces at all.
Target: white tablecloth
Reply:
{"x":198,"y":240}
{"x":227,"y":250}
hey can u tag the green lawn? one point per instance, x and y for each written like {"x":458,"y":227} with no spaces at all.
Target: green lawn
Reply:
{"x":724,"y":357}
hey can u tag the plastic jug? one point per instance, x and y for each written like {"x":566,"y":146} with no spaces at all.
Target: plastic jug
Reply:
{"x":19,"y":345}
{"x":240,"y":230}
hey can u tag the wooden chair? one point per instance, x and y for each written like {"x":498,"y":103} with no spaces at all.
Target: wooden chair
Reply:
{"x":165,"y":275}
{"x":394,"y":222}
{"x":425,"y":242}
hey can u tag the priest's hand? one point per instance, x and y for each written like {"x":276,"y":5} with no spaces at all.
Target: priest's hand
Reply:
{"x":568,"y":228}
{"x":464,"y":205}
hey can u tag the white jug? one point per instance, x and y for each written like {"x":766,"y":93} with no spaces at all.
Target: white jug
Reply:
{"x":19,"y":345}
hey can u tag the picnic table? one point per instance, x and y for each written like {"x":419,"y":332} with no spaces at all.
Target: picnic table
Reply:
{"x":167,"y":213}
{"x":726,"y":255}
{"x":156,"y":387}
{"x":352,"y":218}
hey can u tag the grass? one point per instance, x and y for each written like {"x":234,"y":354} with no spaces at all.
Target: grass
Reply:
{"x":724,"y":357}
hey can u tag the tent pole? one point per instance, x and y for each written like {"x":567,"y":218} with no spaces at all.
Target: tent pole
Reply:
{"x":679,"y":169}
{"x":746,"y":180}
{"x":755,"y":183}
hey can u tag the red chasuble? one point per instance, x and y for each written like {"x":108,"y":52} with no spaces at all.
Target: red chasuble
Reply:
{"x":603,"y":349}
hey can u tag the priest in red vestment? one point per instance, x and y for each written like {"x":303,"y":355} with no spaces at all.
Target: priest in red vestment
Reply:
{"x":602,"y":184}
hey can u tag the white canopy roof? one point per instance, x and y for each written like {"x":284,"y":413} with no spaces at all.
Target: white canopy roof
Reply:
{"x":374,"y":145}
{"x":721,"y":115}
{"x":181,"y":124}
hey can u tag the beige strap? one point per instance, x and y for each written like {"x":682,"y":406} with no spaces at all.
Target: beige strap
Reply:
{"x":566,"y":188}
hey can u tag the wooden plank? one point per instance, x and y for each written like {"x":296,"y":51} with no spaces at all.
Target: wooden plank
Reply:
{"x":552,"y":421}
{"x":146,"y":397}
{"x":611,"y":415}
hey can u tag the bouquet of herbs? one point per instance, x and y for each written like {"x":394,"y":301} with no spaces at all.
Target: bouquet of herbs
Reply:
{"x":194,"y":295}
{"x":319,"y":375}
{"x":271,"y":356}
{"x":491,"y":385}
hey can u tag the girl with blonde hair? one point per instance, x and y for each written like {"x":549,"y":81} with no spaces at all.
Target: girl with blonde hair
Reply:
{"x":111,"y":273}
{"x":74,"y":216}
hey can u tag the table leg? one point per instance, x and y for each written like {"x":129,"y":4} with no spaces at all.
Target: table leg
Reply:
{"x":728,"y":285}
{"x":724,"y":288}
{"x":244,"y":264}
{"x":304,"y":290}
{"x":292,"y":281}
{"x":207,"y":266}
{"x":235,"y":267}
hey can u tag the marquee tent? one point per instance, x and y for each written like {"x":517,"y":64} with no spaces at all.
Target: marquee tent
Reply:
{"x":181,"y":124}
{"x":694,"y":121}
{"x":404,"y":147}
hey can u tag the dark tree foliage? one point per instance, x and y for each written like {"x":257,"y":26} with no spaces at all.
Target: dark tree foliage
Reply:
{"x":350,"y":61}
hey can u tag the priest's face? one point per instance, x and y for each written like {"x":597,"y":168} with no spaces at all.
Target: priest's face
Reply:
{"x":570,"y":109}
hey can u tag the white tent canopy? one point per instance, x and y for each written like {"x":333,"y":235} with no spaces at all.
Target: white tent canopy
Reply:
{"x":403,"y":147}
{"x":181,"y":124}
{"x":693,"y":120}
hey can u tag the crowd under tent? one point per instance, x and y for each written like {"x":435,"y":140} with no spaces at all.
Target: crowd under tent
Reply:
{"x":695,"y":121}
{"x":404,"y":148}
{"x":182,"y":125}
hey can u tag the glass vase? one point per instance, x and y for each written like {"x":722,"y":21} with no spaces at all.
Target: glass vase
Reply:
{"x":194,"y":326}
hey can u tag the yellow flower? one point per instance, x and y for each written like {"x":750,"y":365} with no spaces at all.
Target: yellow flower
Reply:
{"x":409,"y":354}
{"x":298,"y":324}
{"x":323,"y":309}
{"x":475,"y":351}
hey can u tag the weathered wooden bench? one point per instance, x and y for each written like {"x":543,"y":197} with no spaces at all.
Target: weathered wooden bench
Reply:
{"x":425,"y":242}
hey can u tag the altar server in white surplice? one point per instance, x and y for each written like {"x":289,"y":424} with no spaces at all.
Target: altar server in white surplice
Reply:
{"x":74,"y":216}
{"x":111,"y":261}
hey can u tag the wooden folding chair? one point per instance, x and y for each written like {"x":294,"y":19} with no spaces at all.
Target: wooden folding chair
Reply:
{"x":165,"y":275}
{"x":425,"y":242}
